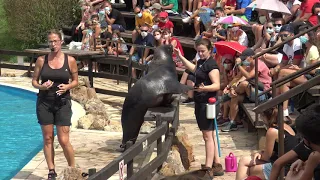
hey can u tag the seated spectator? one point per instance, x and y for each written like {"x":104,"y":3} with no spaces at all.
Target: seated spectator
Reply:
{"x":313,"y":20}
{"x":86,"y":15}
{"x":216,"y":32}
{"x":142,"y":18}
{"x":292,"y":51}
{"x":293,"y":6}
{"x":203,"y":13}
{"x":156,"y":9}
{"x":185,"y":13}
{"x":312,"y":56}
{"x":241,"y":10}
{"x":157,"y":34}
{"x":170,"y":6}
{"x":307,"y":166}
{"x":228,"y":4}
{"x":165,"y":23}
{"x":117,"y":47}
{"x":188,"y":78}
{"x":246,"y":86}
{"x":238,"y":35}
{"x":260,"y":164}
{"x":306,"y":12}
{"x":114,"y":18}
{"x":270,"y":39}
{"x":139,"y":54}
{"x":169,"y":39}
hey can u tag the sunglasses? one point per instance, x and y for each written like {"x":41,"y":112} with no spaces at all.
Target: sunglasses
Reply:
{"x":284,"y":35}
{"x":144,"y":30}
{"x":277,"y":25}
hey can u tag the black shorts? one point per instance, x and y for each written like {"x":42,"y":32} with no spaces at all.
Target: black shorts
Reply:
{"x":57,"y":112}
{"x":201,"y":117}
{"x":191,"y":77}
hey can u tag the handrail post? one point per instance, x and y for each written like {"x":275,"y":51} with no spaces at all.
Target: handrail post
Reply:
{"x":159,"y":141}
{"x":256,"y":87}
{"x":117,"y":49}
{"x":130,"y":163}
{"x":280,"y":135}
{"x":90,"y":72}
{"x":129,"y":72}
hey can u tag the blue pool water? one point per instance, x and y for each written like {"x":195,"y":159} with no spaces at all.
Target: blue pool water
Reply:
{"x":20,"y":133}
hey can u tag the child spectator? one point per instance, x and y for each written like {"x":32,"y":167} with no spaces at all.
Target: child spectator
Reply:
{"x":118,"y":47}
{"x":168,"y":39}
{"x":164,"y":22}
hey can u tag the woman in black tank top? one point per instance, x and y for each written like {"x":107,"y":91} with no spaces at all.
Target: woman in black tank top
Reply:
{"x":260,"y":164}
{"x":54,"y":102}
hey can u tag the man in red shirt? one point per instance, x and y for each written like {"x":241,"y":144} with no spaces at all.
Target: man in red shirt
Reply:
{"x":164,"y":22}
{"x":306,"y":11}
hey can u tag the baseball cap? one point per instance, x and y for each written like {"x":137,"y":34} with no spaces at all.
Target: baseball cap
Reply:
{"x":246,"y":53}
{"x":163,"y":15}
{"x":156,"y":6}
{"x":287,"y":27}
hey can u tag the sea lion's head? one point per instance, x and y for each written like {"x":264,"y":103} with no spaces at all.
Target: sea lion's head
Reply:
{"x":163,"y":54}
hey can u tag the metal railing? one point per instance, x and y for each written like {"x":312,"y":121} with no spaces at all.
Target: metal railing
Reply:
{"x":278,"y":100}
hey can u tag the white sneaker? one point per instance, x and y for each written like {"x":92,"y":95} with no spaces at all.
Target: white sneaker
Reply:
{"x":85,"y":68}
{"x":121,"y":2}
{"x":186,"y":20}
{"x":112,"y":1}
{"x":189,"y":13}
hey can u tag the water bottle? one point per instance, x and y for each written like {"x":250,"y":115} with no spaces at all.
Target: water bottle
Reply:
{"x":211,"y":108}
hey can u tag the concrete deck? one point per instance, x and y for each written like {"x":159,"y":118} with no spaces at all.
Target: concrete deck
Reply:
{"x":96,"y":148}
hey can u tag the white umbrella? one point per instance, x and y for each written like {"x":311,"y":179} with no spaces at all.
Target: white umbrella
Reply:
{"x":270,"y":5}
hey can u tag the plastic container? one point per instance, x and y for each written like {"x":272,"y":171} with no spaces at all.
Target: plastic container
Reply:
{"x":211,"y":108}
{"x":231,"y":163}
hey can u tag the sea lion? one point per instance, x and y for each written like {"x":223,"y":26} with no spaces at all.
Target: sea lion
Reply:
{"x":152,"y":90}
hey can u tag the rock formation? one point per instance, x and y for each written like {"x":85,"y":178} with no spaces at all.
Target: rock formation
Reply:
{"x":180,"y":156}
{"x":96,"y":111}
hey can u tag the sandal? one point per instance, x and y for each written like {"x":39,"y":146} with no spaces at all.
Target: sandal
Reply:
{"x":52,"y":175}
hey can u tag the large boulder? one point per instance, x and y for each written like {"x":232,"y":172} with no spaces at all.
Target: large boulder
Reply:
{"x":71,"y":173}
{"x":96,"y":106}
{"x":98,"y":122}
{"x":79,"y":94}
{"x":185,"y":148}
{"x":173,"y":165}
{"x":86,"y":121}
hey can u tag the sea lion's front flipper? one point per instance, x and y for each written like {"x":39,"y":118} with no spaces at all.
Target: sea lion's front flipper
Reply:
{"x":175,"y":87}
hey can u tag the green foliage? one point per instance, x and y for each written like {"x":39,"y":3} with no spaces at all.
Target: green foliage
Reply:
{"x":29,"y":20}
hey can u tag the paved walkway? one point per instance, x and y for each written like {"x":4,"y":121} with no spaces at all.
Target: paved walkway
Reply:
{"x":96,"y":148}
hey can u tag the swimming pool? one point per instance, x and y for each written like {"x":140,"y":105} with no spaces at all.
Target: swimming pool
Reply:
{"x":20,"y":133}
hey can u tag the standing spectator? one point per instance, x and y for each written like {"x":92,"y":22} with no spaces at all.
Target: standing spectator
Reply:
{"x":114,"y":18}
{"x":165,"y":22}
{"x":139,"y":54}
{"x":170,"y":6}
{"x":241,"y":10}
{"x":142,"y":18}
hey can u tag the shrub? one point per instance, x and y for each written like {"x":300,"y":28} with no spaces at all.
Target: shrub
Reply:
{"x":30,"y":20}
